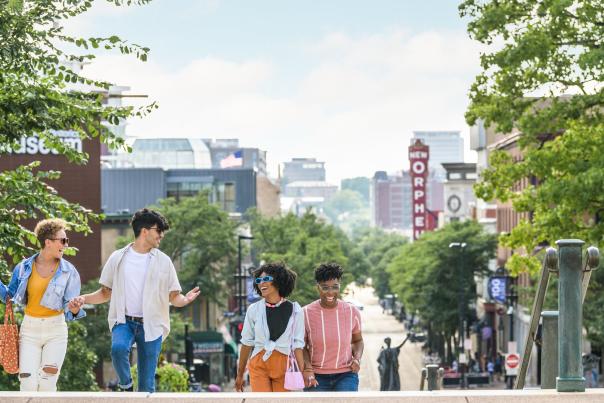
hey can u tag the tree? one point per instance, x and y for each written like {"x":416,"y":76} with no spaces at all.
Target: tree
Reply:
{"x":76,"y":373}
{"x":428,"y":275}
{"x":36,"y":100}
{"x":550,"y":48}
{"x":203,"y":239}
{"x":380,"y":248}
{"x":348,"y":210}
{"x":545,"y":49}
{"x":302,"y":243}
{"x":359,"y":184}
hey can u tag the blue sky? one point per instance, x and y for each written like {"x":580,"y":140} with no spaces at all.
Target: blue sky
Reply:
{"x":297,"y":78}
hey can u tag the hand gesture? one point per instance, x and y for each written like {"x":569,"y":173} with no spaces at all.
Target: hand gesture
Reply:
{"x":191,"y":295}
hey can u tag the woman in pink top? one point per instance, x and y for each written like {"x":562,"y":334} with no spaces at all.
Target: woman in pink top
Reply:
{"x":334,"y":343}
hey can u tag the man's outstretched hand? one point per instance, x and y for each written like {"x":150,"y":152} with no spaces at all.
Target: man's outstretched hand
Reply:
{"x":191,"y":295}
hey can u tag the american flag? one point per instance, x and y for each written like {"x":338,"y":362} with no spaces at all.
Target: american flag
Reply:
{"x":232,"y":160}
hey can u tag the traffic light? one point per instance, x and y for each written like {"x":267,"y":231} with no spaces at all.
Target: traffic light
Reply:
{"x":236,"y":326}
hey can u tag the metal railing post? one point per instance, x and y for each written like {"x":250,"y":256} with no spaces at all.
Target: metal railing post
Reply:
{"x":550,"y":263}
{"x":433,"y":374}
{"x":549,"y":350}
{"x":570,"y":367}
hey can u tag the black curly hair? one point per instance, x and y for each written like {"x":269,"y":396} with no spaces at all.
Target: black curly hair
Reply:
{"x":284,"y":279}
{"x":146,"y":218}
{"x":328,"y":271}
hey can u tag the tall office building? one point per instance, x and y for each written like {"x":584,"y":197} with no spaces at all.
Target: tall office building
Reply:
{"x":303,"y":170}
{"x":445,"y":146}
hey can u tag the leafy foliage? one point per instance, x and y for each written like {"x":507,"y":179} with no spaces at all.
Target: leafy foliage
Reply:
{"x":428,"y":275}
{"x":542,"y":77}
{"x":169,"y":377}
{"x":202,"y":239}
{"x":42,"y":92}
{"x":380,"y":248}
{"x":24,"y":194}
{"x":348,"y":210}
{"x":77,"y":371}
{"x":302,"y":243}
{"x":359,"y":184}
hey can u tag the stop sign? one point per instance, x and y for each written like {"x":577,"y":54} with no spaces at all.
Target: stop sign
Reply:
{"x":512,"y":360}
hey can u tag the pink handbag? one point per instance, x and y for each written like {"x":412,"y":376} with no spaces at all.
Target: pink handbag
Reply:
{"x":293,"y":377}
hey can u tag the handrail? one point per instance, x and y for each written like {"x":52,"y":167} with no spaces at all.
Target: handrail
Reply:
{"x":592,"y":261}
{"x":550,"y":263}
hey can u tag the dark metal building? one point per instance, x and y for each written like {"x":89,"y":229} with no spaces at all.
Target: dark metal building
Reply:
{"x":125,"y":190}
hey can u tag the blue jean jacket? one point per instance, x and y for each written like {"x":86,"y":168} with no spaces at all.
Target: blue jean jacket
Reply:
{"x":64,"y":285}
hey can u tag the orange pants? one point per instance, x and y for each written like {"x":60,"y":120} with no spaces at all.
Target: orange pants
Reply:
{"x":269,"y":375}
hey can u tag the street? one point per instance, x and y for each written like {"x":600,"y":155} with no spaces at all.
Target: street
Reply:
{"x":376,"y":327}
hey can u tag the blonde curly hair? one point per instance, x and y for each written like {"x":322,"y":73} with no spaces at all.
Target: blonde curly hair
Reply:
{"x":47,"y":229}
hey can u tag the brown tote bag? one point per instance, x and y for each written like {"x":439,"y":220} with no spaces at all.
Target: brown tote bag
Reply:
{"x":9,"y":341}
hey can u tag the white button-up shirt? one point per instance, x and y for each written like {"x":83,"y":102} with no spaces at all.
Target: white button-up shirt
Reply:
{"x":255,"y":331}
{"x":160,"y":280}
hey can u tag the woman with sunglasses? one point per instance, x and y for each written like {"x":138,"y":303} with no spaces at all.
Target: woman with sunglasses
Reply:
{"x":273,"y":327}
{"x":46,"y":285}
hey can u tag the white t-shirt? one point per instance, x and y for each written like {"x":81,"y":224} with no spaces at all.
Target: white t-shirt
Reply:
{"x":135,"y":271}
{"x":159,"y":281}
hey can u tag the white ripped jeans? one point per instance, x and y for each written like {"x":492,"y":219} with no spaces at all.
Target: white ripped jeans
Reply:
{"x":42,"y":348}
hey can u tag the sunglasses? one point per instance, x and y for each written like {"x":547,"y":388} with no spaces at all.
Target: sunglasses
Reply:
{"x":264,"y":279}
{"x":64,"y":241}
{"x":326,"y":288}
{"x":159,"y":231}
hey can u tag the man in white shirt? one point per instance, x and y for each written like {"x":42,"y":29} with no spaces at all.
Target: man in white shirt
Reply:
{"x":140,"y":282}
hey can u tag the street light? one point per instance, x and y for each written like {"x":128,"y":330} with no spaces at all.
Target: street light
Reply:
{"x":461,"y":246}
{"x":239,"y":277}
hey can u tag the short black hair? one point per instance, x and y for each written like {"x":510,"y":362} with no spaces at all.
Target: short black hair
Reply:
{"x":328,"y":271}
{"x":284,"y":279}
{"x":146,"y":218}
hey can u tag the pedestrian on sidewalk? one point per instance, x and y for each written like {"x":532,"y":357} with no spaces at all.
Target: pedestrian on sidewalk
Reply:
{"x":334,"y":342}
{"x":46,"y":285}
{"x":273,"y":328}
{"x":140,"y":282}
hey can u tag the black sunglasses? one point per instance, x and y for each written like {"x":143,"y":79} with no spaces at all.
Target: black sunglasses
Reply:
{"x":64,"y":241}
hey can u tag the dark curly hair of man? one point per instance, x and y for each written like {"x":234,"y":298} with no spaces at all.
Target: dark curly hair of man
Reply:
{"x":284,"y":279}
{"x":328,"y":271}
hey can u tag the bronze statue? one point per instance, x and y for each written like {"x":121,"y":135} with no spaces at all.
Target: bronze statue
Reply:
{"x":388,"y":365}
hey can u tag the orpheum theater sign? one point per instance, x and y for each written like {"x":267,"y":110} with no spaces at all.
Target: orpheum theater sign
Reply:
{"x":419,"y":154}
{"x":78,"y":183}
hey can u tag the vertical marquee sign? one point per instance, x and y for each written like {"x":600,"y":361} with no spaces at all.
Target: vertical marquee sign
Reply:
{"x":419,"y":154}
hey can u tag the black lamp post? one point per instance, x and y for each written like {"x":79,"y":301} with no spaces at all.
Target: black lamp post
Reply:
{"x":461,"y":246}
{"x":239,"y":276}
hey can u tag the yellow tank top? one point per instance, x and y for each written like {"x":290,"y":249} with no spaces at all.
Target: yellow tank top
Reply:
{"x":36,"y":287}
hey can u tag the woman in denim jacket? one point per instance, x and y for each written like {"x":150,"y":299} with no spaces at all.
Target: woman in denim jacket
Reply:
{"x":273,"y":327}
{"x":45,"y":284}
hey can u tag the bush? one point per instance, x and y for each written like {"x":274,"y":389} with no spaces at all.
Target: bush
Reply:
{"x":169,"y":377}
{"x":77,"y":370}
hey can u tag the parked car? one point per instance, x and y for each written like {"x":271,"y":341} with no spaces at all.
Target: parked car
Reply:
{"x":417,"y":337}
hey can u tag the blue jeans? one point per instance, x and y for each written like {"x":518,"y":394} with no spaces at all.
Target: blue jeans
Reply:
{"x":345,"y":382}
{"x":123,"y":336}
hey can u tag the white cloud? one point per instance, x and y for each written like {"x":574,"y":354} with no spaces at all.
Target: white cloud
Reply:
{"x":355,"y":108}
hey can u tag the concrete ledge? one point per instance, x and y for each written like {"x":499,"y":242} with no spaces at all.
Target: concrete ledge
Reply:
{"x":453,"y":396}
